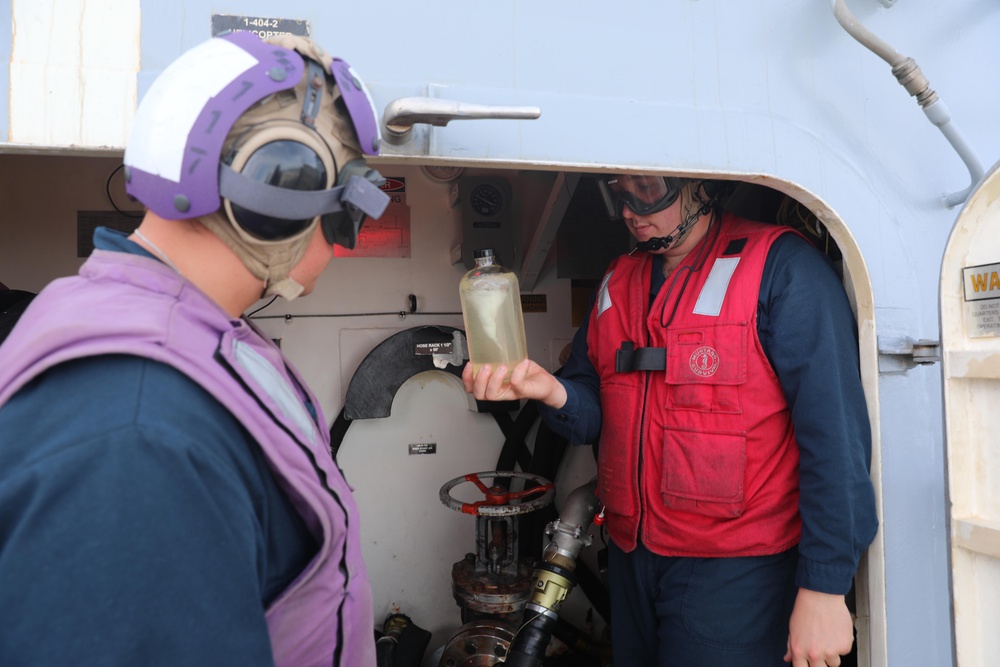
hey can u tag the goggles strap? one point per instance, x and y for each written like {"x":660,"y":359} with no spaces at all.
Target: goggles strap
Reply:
{"x":288,"y":204}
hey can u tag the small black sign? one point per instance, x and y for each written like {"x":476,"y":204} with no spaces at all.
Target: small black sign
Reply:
{"x":433,"y":348}
{"x":423,"y":448}
{"x":258,"y":25}
{"x":534,"y":303}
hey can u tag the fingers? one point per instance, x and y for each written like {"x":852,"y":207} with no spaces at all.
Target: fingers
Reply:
{"x":520,"y":372}
{"x":468,"y":377}
{"x":806,"y":661}
{"x":481,"y":381}
{"x":486,"y":385}
{"x":504,"y":383}
{"x":496,"y":389}
{"x":820,"y":630}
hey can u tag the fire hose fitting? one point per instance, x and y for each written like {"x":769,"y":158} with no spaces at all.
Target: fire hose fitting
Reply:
{"x":554,"y":577}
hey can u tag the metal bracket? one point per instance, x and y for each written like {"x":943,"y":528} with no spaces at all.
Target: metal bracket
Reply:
{"x":900,"y":354}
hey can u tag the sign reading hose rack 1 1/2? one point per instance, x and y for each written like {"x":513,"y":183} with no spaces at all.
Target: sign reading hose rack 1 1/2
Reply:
{"x":982,"y":300}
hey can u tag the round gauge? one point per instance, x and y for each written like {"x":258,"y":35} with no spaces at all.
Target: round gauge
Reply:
{"x":486,"y":199}
{"x":441,"y":173}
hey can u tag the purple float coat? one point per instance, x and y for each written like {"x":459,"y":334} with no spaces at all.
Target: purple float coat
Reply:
{"x":128,"y":304}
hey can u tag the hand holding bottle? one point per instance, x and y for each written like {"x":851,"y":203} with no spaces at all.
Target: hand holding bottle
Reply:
{"x":527,"y":380}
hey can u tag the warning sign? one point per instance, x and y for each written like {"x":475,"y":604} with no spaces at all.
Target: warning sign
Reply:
{"x":534,"y":303}
{"x":389,"y":236}
{"x":982,"y":300}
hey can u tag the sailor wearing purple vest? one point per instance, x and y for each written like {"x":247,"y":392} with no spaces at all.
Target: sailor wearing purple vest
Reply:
{"x":248,"y":156}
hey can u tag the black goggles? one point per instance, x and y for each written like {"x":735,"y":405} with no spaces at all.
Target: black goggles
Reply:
{"x":644,"y":195}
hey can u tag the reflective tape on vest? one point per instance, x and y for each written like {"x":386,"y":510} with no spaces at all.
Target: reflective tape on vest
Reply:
{"x":713,"y":293}
{"x":268,"y":378}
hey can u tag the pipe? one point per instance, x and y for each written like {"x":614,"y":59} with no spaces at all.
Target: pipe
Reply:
{"x":939,"y":114}
{"x":863,"y":35}
{"x":569,"y":531}
{"x":908,"y":73}
{"x":554,"y":577}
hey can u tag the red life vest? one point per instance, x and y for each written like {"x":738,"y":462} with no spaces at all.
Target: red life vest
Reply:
{"x":700,"y":456}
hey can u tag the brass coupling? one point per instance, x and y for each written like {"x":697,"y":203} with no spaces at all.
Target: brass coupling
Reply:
{"x":551,"y":585}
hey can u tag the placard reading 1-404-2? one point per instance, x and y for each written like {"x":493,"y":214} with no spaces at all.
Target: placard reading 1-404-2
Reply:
{"x":261,"y":26}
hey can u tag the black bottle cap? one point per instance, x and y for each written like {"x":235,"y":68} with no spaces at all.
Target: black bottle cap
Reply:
{"x":485,"y":252}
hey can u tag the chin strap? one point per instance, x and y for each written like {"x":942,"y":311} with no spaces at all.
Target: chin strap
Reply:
{"x":652,"y":244}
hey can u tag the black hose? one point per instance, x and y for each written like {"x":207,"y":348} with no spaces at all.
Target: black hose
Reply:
{"x":514,"y":450}
{"x":548,"y":453}
{"x":594,"y":588}
{"x":580,"y":644}
{"x":385,"y":652}
{"x":528,"y":647}
{"x":403,"y":644}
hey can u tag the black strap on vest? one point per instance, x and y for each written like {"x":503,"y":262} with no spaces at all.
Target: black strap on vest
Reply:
{"x":628,"y":358}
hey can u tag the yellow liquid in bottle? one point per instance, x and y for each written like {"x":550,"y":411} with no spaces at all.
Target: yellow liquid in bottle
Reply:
{"x":494,"y":323}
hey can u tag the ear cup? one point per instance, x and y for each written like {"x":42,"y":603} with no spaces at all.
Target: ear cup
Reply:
{"x":287,"y":155}
{"x":281,"y":153}
{"x":285,"y":164}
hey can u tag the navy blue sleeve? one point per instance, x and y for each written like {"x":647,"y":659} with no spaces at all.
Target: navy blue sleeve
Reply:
{"x":579,"y":419}
{"x":138,"y":524}
{"x":808,"y":332}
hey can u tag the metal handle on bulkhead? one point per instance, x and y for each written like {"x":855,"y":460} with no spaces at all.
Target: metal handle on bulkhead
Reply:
{"x":401,"y":115}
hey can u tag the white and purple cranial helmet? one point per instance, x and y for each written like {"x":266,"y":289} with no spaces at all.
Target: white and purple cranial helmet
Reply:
{"x":264,"y":136}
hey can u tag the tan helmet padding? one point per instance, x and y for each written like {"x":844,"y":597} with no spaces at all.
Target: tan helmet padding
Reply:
{"x":332,"y":122}
{"x":269,"y":261}
{"x":275,"y":118}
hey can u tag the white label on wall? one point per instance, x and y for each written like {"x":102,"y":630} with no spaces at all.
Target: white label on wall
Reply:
{"x":982,"y":300}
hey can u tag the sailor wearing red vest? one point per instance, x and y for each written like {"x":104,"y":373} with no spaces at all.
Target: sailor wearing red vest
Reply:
{"x":718,"y":373}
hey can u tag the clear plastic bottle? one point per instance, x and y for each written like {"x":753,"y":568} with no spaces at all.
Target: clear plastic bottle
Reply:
{"x":491,"y":307}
